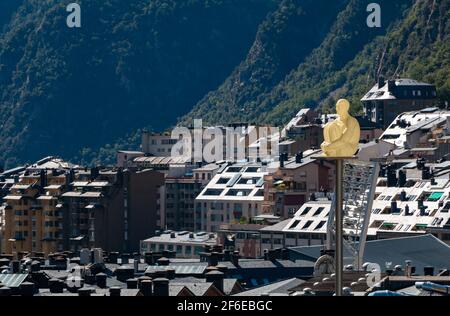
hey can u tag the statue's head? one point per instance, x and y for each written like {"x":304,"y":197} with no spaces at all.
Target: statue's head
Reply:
{"x":342,"y":107}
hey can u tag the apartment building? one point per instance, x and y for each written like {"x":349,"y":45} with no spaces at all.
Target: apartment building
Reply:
{"x":235,"y":194}
{"x":292,"y":181}
{"x":32,"y":220}
{"x":180,"y":193}
{"x":53,"y":205}
{"x":423,"y":133}
{"x":157,"y":144}
{"x":305,"y":129}
{"x":112,"y":209}
{"x":411,"y":201}
{"x":389,"y":98}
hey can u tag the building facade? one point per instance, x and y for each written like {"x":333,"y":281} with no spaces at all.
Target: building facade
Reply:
{"x":389,"y":98}
{"x":235,"y":194}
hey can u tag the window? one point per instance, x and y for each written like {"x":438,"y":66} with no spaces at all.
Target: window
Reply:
{"x":210,"y":192}
{"x":320,"y":225}
{"x":223,"y":180}
{"x":238,"y":192}
{"x":188,"y":250}
{"x":294,"y":224}
{"x":277,"y":241}
{"x":198,"y":250}
{"x":305,"y":211}
{"x":308,"y":223}
{"x":319,"y":210}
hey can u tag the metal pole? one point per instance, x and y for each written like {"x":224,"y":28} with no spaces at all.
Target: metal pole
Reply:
{"x":339,"y":225}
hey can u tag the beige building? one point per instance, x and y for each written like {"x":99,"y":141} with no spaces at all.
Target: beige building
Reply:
{"x":32,"y":221}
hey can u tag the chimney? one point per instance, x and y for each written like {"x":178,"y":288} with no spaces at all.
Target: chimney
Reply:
{"x":132,"y":283}
{"x":113,"y":256}
{"x":89,"y":278}
{"x":55,"y":285}
{"x":85,"y":291}
{"x":148,"y":258}
{"x":170,"y":273}
{"x":394,"y":207}
{"x":213,"y":259}
{"x":406,"y":210}
{"x":27,"y":289}
{"x":161,"y":287}
{"x":401,"y":178}
{"x":235,"y":258}
{"x":124,"y":273}
{"x":429,"y":271}
{"x":408,"y":270}
{"x":5,"y":291}
{"x":15,"y":266}
{"x":125,"y":258}
{"x":420,"y":162}
{"x":382,"y":172}
{"x":391,"y":85}
{"x":163,"y":261}
{"x":403,"y":196}
{"x":100,"y":279}
{"x":35,"y":266}
{"x":146,"y":287}
{"x":380,"y":82}
{"x":391,"y":176}
{"x":114,"y":291}
{"x":222,"y":268}
{"x":426,"y":173}
{"x":216,"y":277}
{"x":85,"y":256}
{"x":43,"y":179}
{"x":299,"y":157}
{"x":226,"y":255}
{"x":94,"y":173}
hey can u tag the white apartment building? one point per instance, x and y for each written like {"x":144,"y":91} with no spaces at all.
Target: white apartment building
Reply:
{"x":418,"y":207}
{"x":413,"y":129}
{"x":234,"y":194}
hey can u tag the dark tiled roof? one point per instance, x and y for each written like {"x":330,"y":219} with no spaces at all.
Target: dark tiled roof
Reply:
{"x":425,"y":250}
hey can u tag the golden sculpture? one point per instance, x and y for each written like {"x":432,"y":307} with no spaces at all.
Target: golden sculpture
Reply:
{"x":341,"y":136}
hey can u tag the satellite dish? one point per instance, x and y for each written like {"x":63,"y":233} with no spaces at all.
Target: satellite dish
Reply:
{"x":324,"y":265}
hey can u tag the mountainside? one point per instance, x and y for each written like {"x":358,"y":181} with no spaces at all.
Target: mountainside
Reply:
{"x":77,"y":93}
{"x":412,"y":42}
{"x":65,"y":89}
{"x":7,"y":8}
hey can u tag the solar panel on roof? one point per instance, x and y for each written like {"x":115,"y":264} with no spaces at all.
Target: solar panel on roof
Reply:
{"x":13,"y":280}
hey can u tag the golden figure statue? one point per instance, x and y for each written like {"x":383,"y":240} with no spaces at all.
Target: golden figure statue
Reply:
{"x":341,"y":137}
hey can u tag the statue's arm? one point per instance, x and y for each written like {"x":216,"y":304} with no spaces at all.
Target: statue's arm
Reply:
{"x":349,"y":137}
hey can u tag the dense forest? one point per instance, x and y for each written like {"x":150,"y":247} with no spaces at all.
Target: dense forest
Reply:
{"x":84,"y":93}
{"x":132,"y":64}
